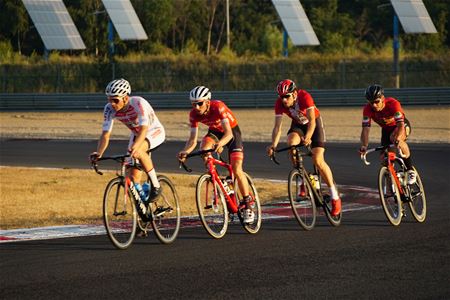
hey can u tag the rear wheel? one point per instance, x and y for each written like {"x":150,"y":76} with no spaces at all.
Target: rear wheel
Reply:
{"x":418,"y":202}
{"x":119,"y":214}
{"x":256,"y":224}
{"x":166,"y":212}
{"x":302,"y":199}
{"x":211,"y":206}
{"x":390,"y":197}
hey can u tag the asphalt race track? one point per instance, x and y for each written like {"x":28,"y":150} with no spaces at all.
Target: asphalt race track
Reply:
{"x":364,"y":258}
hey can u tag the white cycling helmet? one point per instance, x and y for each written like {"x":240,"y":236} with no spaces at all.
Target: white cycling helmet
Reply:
{"x":119,"y":87}
{"x":200,"y":93}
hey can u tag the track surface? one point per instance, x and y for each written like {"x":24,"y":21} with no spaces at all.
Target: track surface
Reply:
{"x":363,"y":258}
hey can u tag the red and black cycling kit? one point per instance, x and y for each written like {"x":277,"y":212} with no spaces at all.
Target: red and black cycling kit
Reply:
{"x":388,"y":118}
{"x":300,"y":121}
{"x":217,"y":112}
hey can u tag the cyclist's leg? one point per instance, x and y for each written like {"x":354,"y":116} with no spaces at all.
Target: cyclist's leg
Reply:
{"x":295,"y":133}
{"x":208,"y":142}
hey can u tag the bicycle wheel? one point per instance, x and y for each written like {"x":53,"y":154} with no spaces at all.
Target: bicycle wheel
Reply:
{"x":211,"y":206}
{"x":256,"y":224}
{"x":302,"y":199}
{"x":166,"y":212}
{"x":119,"y":214}
{"x":390,"y":197}
{"x":418,"y":202}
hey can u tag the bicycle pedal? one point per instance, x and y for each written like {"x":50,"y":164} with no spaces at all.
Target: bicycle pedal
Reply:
{"x":208,"y":207}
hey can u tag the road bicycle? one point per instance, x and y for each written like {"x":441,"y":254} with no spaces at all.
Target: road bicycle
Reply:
{"x":219,"y":199}
{"x":305,"y":190}
{"x":124,"y":211}
{"x":394,"y":188}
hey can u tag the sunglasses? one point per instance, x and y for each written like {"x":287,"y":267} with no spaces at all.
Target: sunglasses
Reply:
{"x":115,"y":100}
{"x":199,"y":104}
{"x":286,"y":96}
{"x":376,"y":101}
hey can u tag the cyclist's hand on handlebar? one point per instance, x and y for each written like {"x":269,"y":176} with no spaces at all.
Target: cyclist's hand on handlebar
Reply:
{"x":182,"y":156}
{"x":270,"y":150}
{"x":218,"y":148}
{"x":94,"y":156}
{"x":362,"y":150}
{"x":306,"y":141}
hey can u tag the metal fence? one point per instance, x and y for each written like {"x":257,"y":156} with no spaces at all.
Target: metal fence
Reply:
{"x":242,"y":99}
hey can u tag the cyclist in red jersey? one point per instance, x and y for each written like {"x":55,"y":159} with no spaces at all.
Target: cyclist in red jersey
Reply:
{"x":395,"y":128}
{"x":306,"y":127}
{"x":223,"y":130}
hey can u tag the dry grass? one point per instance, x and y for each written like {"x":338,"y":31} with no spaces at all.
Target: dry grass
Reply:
{"x":46,"y":197}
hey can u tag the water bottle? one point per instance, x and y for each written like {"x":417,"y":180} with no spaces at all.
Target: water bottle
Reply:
{"x":315,"y":181}
{"x":400,"y":176}
{"x":140,"y":191}
{"x":229,"y":182}
{"x":226,"y":187}
{"x":146,"y":190}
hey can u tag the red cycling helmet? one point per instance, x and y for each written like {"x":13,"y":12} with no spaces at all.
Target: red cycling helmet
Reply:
{"x":286,"y":86}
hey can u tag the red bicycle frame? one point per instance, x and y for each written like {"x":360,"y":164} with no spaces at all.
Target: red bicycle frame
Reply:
{"x":390,"y":159}
{"x":231,"y":200}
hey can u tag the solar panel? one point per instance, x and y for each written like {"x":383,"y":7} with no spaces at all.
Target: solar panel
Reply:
{"x":54,"y":24}
{"x":296,"y":22}
{"x":413,"y":16}
{"x":125,"y":20}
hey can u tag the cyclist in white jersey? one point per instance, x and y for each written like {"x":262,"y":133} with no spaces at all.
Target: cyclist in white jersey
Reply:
{"x":146,"y":130}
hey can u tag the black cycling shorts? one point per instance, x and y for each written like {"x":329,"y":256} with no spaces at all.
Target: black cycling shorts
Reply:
{"x":318,"y":137}
{"x":386,"y":133}
{"x":235,"y":145}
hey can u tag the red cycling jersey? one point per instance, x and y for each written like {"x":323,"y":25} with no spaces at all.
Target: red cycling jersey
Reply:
{"x":297,"y":113}
{"x":389,"y":116}
{"x":217,"y":112}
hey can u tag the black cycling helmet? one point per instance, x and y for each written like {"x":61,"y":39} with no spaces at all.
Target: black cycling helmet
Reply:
{"x":374,"y":92}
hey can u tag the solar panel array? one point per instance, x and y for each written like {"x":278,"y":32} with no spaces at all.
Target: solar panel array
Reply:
{"x":54,"y":24}
{"x":413,"y":16}
{"x":295,"y":22}
{"x":125,"y":20}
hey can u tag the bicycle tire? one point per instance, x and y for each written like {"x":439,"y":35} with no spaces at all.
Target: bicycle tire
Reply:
{"x":165,"y":212}
{"x":119,"y":214}
{"x":255,"y":226}
{"x":303,"y":206}
{"x":390,"y":197}
{"x":214,"y":217}
{"x":418,"y":201}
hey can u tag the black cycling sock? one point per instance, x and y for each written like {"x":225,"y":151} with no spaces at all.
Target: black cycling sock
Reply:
{"x":408,"y":163}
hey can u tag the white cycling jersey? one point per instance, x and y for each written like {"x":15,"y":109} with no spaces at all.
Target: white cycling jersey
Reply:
{"x":137,"y":113}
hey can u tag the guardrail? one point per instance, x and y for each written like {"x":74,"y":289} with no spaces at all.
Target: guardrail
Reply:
{"x":240,"y":99}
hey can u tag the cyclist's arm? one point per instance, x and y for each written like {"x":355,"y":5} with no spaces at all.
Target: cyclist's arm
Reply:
{"x":191,"y":142}
{"x":364,"y":138}
{"x":139,"y":139}
{"x":227,"y":133}
{"x":276,"y":131}
{"x":103,"y":143}
{"x":311,"y":115}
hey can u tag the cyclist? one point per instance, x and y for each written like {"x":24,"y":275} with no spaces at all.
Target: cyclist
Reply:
{"x":223,"y":131}
{"x":395,"y":128}
{"x":307,"y":128}
{"x":146,"y":131}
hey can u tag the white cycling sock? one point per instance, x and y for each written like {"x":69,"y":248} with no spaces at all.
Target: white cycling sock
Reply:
{"x":154,"y":178}
{"x":334,"y":192}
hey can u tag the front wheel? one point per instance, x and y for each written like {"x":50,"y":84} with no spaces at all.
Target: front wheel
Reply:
{"x":390,"y":197}
{"x":256,"y":224}
{"x":166,"y":212}
{"x":302,"y":200}
{"x":119,"y":214}
{"x":417,"y":200}
{"x":211,"y":206}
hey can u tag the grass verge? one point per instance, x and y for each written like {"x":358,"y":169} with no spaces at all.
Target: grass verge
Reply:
{"x":31,"y":197}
